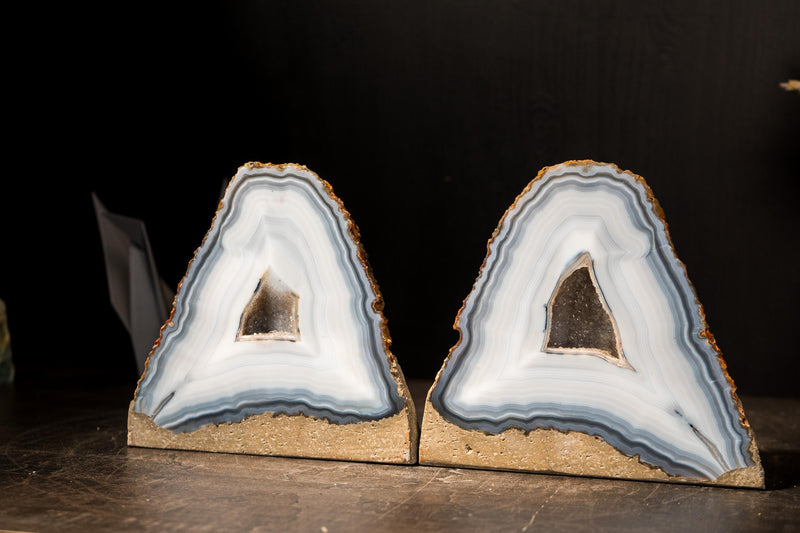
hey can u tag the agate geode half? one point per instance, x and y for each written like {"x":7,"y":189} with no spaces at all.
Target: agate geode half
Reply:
{"x":583,"y":348}
{"x":277,"y":343}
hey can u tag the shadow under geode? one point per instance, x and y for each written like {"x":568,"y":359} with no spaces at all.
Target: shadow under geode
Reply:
{"x":781,"y":469}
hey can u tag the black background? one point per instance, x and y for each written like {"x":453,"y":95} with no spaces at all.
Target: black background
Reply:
{"x":428,"y":118}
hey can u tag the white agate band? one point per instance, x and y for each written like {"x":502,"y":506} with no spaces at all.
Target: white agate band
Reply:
{"x":281,"y":224}
{"x":671,"y":403}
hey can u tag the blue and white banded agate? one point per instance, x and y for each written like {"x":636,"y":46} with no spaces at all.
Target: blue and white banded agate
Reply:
{"x":283,"y":221}
{"x":673,"y":405}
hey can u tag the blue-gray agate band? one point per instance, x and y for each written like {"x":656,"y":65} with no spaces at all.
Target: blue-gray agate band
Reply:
{"x":279,"y":225}
{"x":669,"y":401}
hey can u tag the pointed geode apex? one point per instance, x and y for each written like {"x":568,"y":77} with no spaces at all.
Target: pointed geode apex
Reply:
{"x":584,"y":350}
{"x":277,"y":344}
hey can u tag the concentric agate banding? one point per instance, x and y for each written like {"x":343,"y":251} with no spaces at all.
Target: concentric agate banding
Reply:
{"x":674,"y":406}
{"x":284,"y":221}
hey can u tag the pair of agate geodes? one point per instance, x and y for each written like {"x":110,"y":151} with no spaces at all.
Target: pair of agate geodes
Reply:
{"x":583,"y":348}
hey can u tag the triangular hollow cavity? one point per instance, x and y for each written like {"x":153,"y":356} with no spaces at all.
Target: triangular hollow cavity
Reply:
{"x":505,"y":400}
{"x":271,"y":313}
{"x":578,"y":318}
{"x":282,"y":257}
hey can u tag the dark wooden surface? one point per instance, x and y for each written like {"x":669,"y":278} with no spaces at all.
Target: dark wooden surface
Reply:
{"x":64,"y":466}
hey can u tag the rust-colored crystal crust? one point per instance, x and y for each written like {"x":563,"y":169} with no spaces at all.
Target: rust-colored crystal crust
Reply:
{"x":277,"y":332}
{"x":583,"y":348}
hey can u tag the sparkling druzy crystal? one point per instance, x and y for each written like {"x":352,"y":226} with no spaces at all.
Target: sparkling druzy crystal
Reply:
{"x":277,"y":343}
{"x":583,"y":348}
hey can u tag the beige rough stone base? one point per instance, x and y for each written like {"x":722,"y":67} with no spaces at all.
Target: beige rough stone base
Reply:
{"x":394,"y":439}
{"x":550,"y":451}
{"x":390,"y":440}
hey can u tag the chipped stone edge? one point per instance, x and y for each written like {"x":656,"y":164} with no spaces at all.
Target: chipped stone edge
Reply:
{"x":550,"y":451}
{"x":143,"y":432}
{"x":393,"y":439}
{"x":430,"y":453}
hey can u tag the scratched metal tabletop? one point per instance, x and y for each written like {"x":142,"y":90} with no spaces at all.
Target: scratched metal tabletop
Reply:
{"x":64,"y":466}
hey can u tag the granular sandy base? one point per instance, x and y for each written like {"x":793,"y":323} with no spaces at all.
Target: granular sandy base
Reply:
{"x":548,"y":450}
{"x":390,"y":440}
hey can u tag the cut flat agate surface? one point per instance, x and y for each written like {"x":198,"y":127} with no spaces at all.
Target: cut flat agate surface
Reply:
{"x":583,"y":348}
{"x":277,"y":344}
